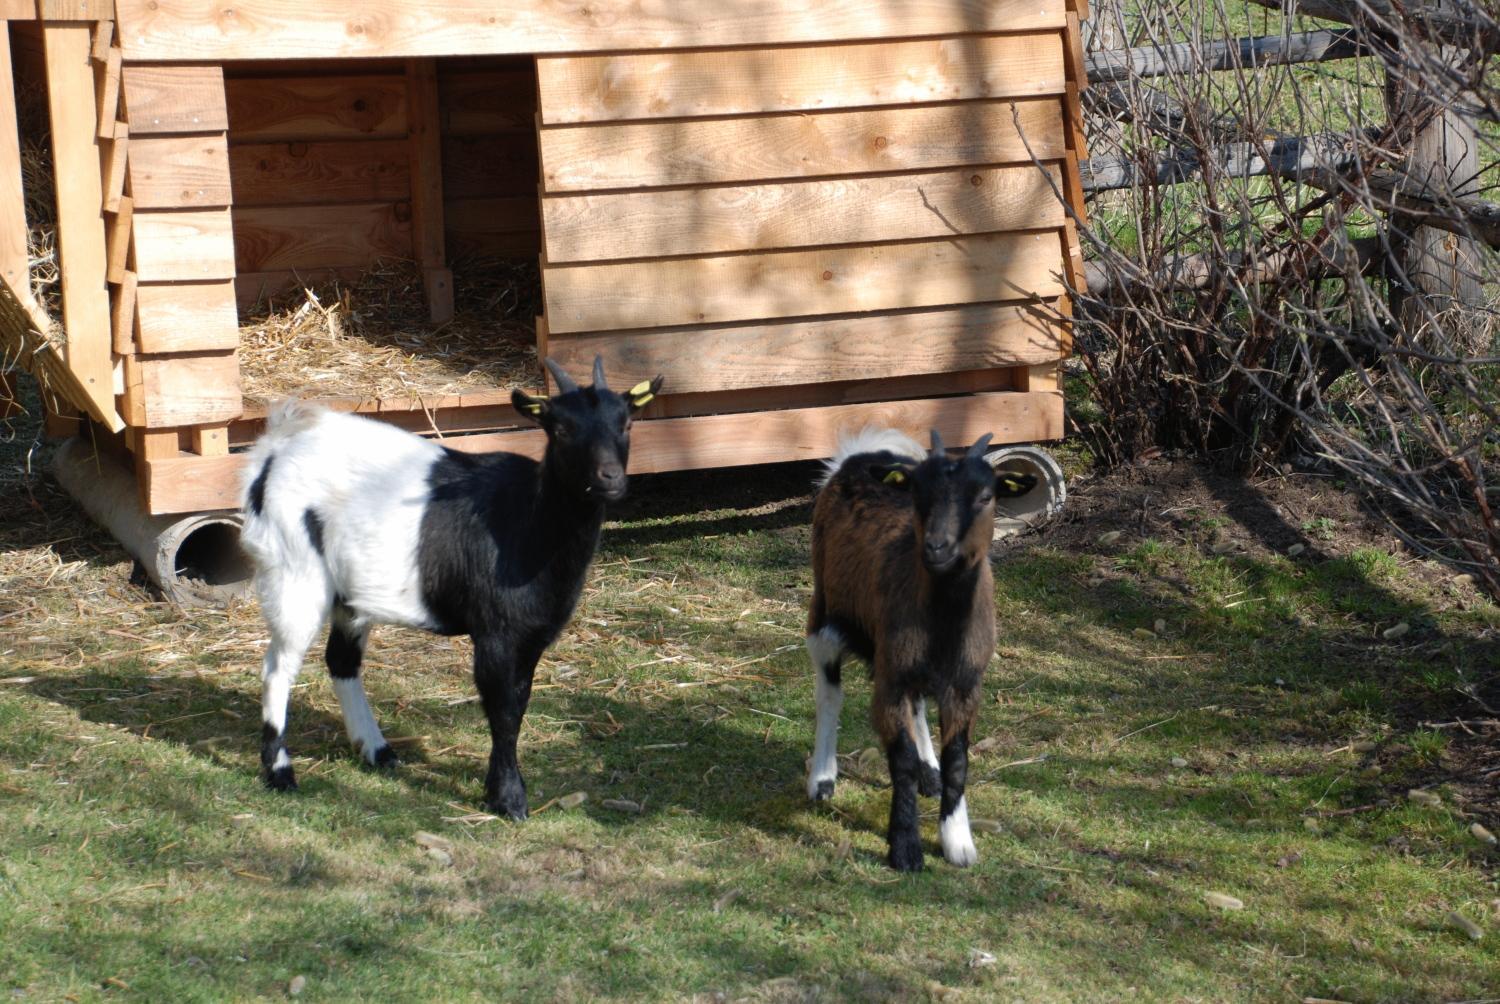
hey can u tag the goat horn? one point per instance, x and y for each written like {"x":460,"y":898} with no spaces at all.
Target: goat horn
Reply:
{"x":599,"y":383}
{"x":564,"y":382}
{"x":977,"y":450}
{"x":937,"y":444}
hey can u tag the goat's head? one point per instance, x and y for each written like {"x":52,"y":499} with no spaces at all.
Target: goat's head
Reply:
{"x":588,"y":428}
{"x":954,"y":499}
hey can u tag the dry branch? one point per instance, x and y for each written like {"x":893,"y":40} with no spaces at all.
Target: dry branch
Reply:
{"x":1188,"y":57}
{"x":1436,"y":23}
{"x":1361,"y":256}
{"x":1294,"y":156}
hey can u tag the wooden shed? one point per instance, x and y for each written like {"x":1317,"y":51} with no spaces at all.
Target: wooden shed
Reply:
{"x":807,"y":215}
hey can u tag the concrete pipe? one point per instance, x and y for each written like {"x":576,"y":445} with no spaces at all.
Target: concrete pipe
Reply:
{"x":1012,"y":516}
{"x":195,"y":559}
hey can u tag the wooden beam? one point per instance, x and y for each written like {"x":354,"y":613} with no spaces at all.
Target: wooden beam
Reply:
{"x":75,"y":10}
{"x":713,"y":151}
{"x":854,"y":347}
{"x":717,"y":220}
{"x":1197,"y":57}
{"x":117,"y":240}
{"x":80,"y":215}
{"x":1362,"y":256}
{"x":425,"y":137}
{"x":812,"y":78}
{"x":107,"y":93}
{"x":190,"y":484}
{"x":14,"y":260}
{"x":1299,"y":157}
{"x":929,"y":273}
{"x":180,"y":30}
{"x":113,"y":162}
{"x":1435,"y":22}
{"x":122,"y":314}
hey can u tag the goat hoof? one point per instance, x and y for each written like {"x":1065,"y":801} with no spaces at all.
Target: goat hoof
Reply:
{"x":516,"y":813}
{"x":906,"y":856}
{"x":280,"y":779}
{"x":823,"y":790}
{"x":929,"y":781}
{"x":385,"y":758}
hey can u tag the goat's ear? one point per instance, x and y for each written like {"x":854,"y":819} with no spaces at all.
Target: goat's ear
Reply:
{"x":896,"y":475}
{"x":533,"y":407}
{"x":641,"y":394}
{"x":1011,"y":484}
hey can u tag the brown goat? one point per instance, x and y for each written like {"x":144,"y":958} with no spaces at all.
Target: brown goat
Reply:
{"x":901,"y":579}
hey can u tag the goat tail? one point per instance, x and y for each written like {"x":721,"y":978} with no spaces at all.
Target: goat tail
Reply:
{"x":290,"y":417}
{"x":870,"y":440}
{"x":284,"y":421}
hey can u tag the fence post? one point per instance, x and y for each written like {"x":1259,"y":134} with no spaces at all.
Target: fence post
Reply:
{"x":1443,"y":268}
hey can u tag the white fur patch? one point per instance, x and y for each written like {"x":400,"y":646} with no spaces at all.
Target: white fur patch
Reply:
{"x":825,"y":647}
{"x":282,"y":760}
{"x":359,"y":720}
{"x":870,"y":440}
{"x":923,"y":734}
{"x":958,"y":842}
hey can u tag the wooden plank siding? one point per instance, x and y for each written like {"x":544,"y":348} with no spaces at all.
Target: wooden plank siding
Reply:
{"x":274,"y":238}
{"x":188,"y":484}
{"x":172,"y":99}
{"x":846,"y":210}
{"x":288,"y":109}
{"x":957,"y":270}
{"x":179,"y":172}
{"x":719,"y":151}
{"x":799,"y":78}
{"x":320,"y":172}
{"x":186,"y":30}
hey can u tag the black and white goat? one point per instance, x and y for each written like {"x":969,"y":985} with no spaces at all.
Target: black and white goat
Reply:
{"x":352,"y":519}
{"x":901,"y":579}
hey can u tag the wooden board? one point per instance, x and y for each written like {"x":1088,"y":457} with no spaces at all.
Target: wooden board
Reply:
{"x":117,"y":240}
{"x":112,"y":164}
{"x":167,"y":391}
{"x":266,"y":109}
{"x":107,"y":91}
{"x":652,"y":154}
{"x":506,"y":226}
{"x":184,"y":245}
{"x":287,"y":174}
{"x":799,"y":78}
{"x":122,"y":314}
{"x":177,"y":30}
{"x":424,"y":139}
{"x":251,"y":288}
{"x":499,"y":164}
{"x":274,"y":238}
{"x":186,"y":316}
{"x":80,"y":215}
{"x":801,"y":283}
{"x":483,"y":102}
{"x":854,"y":347}
{"x":189,"y":484}
{"x":14,"y":263}
{"x":172,"y":99}
{"x":715,"y":220}
{"x":179,"y":172}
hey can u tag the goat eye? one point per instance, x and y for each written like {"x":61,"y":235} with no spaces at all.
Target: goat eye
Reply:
{"x":984,"y":499}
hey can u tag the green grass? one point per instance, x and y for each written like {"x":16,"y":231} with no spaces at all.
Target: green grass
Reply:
{"x":144,"y":860}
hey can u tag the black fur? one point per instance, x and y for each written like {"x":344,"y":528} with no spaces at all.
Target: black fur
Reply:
{"x":344,"y":653}
{"x":905,"y":842}
{"x":314,"y":524}
{"x":258,"y":487}
{"x":272,"y":743}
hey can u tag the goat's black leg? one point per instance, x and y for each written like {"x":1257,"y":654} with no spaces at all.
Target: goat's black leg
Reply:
{"x":953,"y":812}
{"x":504,"y":681}
{"x":903,"y":840}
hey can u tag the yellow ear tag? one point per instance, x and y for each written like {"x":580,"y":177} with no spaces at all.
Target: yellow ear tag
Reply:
{"x":639,"y":400}
{"x":534,"y":408}
{"x":894,"y":478}
{"x":644,"y":387}
{"x":1012,"y":485}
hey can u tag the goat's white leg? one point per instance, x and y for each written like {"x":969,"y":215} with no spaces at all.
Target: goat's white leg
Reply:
{"x":344,"y":655}
{"x":929,"y":778}
{"x":294,"y":609}
{"x":826,"y":647}
{"x":953,"y":811}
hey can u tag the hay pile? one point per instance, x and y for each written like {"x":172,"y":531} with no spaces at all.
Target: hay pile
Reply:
{"x":370,"y":338}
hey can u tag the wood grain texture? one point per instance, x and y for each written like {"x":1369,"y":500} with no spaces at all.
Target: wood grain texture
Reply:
{"x":716,"y":220}
{"x":189,"y":484}
{"x":14,"y":263}
{"x":652,"y":154}
{"x":107,"y":91}
{"x":799,"y":78}
{"x":802,"y":283}
{"x":506,"y":225}
{"x":274,"y":238}
{"x":174,"y":30}
{"x":253,"y":288}
{"x":80,"y":214}
{"x":112,"y":164}
{"x":174,"y":99}
{"x":856,"y":347}
{"x":483,"y":102}
{"x":122,"y":314}
{"x":288,"y":174}
{"x":179,"y":172}
{"x":175,"y":390}
{"x":186,"y":316}
{"x":424,"y":139}
{"x":281,"y":109}
{"x":117,"y":240}
{"x":75,"y":10}
{"x":186,"y":245}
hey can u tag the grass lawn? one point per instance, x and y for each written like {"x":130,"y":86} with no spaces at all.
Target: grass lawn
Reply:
{"x":1178,"y":712}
